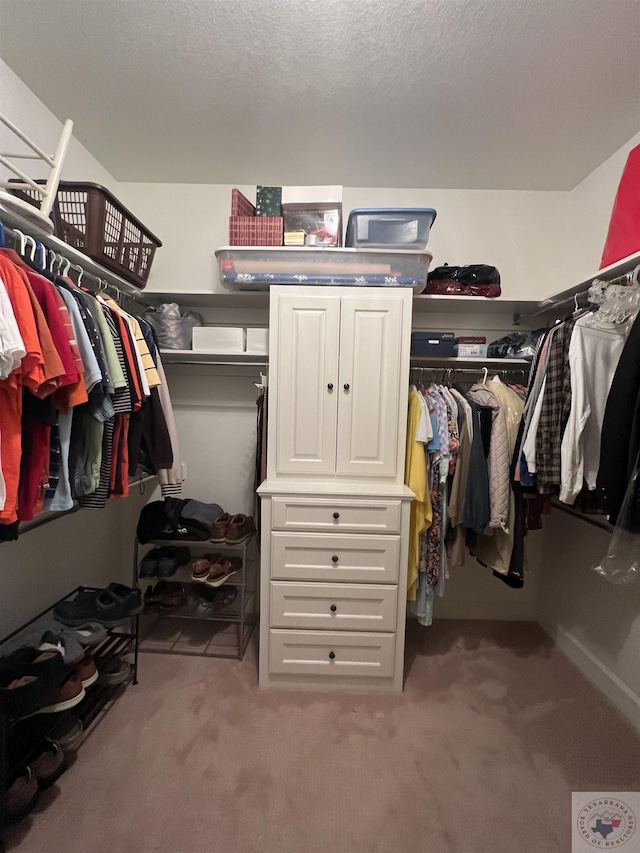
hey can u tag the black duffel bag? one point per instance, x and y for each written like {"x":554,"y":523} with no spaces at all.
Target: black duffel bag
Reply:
{"x":177,"y":518}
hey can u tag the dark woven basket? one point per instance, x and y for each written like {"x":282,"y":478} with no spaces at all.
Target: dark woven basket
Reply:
{"x":90,"y":218}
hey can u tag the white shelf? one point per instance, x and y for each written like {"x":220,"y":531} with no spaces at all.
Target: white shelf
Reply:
{"x":473,"y":363}
{"x":189,"y":356}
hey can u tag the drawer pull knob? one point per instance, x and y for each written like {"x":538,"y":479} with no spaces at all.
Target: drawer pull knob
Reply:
{"x":346,"y":386}
{"x":334,"y":559}
{"x":330,"y":386}
{"x":336,"y":515}
{"x":332,"y":655}
{"x":333,"y":608}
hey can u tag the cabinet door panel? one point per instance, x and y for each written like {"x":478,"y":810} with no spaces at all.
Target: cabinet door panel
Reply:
{"x":369,"y":395}
{"x":308,"y":329}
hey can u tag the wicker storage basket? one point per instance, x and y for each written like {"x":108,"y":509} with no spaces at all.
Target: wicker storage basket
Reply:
{"x":88,"y":217}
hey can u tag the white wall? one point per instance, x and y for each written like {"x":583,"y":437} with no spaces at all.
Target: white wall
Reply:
{"x":591,"y":205}
{"x":27,"y":111}
{"x":503,"y":228}
{"x":595,"y":622}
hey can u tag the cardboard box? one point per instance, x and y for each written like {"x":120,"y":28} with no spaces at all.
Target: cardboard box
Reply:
{"x":470,"y":350}
{"x":313,"y":196}
{"x":255,"y":230}
{"x":222,"y":340}
{"x":433,"y":343}
{"x":240,"y":204}
{"x":258,"y":341}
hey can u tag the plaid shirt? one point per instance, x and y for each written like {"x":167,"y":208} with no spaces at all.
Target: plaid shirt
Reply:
{"x":556,"y":407}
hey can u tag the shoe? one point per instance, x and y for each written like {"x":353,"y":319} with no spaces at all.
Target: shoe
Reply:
{"x":166,"y":595}
{"x":229,"y":567}
{"x":219,"y":528}
{"x":89,"y":635}
{"x":49,"y":764}
{"x":63,"y":642}
{"x":21,"y":796}
{"x":27,"y":676}
{"x":169,"y":564}
{"x":149,"y":564}
{"x":201,"y":567}
{"x":225,"y":597}
{"x":173,"y":598}
{"x":240,"y":529}
{"x":201,"y":600}
{"x":110,"y":606}
{"x":69,"y":694}
{"x":86,"y":671}
{"x":113,"y":672}
{"x":68,"y":733}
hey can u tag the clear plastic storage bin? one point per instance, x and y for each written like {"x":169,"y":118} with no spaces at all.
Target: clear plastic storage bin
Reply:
{"x":390,"y":228}
{"x":258,"y":267}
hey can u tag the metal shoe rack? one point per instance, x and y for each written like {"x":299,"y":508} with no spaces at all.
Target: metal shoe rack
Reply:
{"x":224,"y":633}
{"x":20,"y":738}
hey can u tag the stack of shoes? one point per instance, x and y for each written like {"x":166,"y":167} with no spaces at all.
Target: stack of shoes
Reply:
{"x":164,"y":561}
{"x":110,"y":607}
{"x":214,"y":569}
{"x":166,"y":596}
{"x":114,"y":671}
{"x":46,"y":767}
{"x":232,"y":529}
{"x":68,"y":733}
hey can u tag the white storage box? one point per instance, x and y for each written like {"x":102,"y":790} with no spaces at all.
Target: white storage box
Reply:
{"x":258,"y":341}
{"x":311,"y":196}
{"x":258,"y":267}
{"x":224,"y":340}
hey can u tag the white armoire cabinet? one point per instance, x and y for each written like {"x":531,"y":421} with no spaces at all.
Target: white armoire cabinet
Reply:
{"x":335,"y":511}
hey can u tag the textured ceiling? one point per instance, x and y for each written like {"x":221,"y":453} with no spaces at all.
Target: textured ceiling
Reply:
{"x":527,"y":94}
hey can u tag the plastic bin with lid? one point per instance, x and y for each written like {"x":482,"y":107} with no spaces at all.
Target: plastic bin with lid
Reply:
{"x":386,"y":228}
{"x":258,"y":267}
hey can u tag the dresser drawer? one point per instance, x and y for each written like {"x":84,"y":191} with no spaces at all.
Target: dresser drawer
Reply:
{"x":338,"y":557}
{"x":327,"y":514}
{"x":336,"y":654}
{"x":344,"y":607}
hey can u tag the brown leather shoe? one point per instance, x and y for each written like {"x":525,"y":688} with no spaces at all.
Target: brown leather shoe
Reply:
{"x":229,"y":567}
{"x":86,"y":671}
{"x":240,"y":528}
{"x":219,"y":528}
{"x":173,"y":597}
{"x":68,"y":695}
{"x":201,"y":567}
{"x":21,"y":795}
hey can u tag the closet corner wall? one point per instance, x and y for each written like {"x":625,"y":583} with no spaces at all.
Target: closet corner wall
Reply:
{"x":335,"y":511}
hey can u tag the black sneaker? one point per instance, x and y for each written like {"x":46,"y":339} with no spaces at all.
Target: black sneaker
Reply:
{"x":110,"y":606}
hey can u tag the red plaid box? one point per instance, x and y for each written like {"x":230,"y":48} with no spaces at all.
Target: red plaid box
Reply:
{"x":240,"y":204}
{"x":255,"y":230}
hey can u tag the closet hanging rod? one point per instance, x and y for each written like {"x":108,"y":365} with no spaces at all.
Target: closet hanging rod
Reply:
{"x":17,"y":236}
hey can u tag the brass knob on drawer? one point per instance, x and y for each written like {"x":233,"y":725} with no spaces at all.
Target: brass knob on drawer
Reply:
{"x":336,"y":515}
{"x":333,"y":608}
{"x":332,"y":655}
{"x":346,"y":386}
{"x":330,"y":386}
{"x":334,"y":559}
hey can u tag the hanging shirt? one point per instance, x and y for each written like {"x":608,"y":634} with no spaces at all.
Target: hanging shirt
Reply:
{"x":415,"y":477}
{"x":12,"y":349}
{"x":594,"y":353}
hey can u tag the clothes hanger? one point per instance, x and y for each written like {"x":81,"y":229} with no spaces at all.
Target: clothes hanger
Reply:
{"x":66,"y":263}
{"x":79,"y":270}
{"x":2,"y":236}
{"x":485,"y":373}
{"x":28,"y":240}
{"x":22,"y":237}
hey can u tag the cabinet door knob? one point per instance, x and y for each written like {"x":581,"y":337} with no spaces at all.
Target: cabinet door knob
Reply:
{"x":334,"y":559}
{"x":346,"y":386}
{"x":336,"y":515}
{"x":330,"y":386}
{"x":332,"y":655}
{"x":333,"y":608}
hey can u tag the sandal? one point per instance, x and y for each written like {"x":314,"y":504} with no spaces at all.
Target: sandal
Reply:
{"x":221,"y":572}
{"x":201,"y":567}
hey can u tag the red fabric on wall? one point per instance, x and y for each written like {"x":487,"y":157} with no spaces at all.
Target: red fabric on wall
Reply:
{"x":624,"y":228}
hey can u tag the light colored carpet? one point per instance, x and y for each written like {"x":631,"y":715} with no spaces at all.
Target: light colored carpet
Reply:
{"x":479,"y":755}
